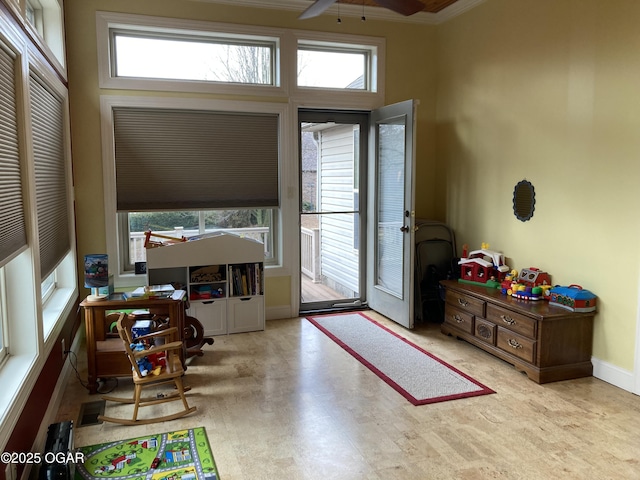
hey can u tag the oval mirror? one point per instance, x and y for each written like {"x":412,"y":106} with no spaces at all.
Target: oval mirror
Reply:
{"x":524,"y":200}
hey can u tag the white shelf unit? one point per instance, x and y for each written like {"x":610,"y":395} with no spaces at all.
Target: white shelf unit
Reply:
{"x":223,"y":276}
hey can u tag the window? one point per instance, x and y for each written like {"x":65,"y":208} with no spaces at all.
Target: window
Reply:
{"x":195,"y":159}
{"x":268,"y":62}
{"x":334,"y":66}
{"x":48,"y":286}
{"x":153,"y":53}
{"x":51,"y":167}
{"x":13,"y":234}
{"x":35,"y":166}
{"x":250,"y":223}
{"x":215,"y":59}
{"x":223,"y":163}
{"x":47,"y":119}
{"x":4,"y":351}
{"x":13,"y":237}
{"x":34,"y":15}
{"x":45,"y":17}
{"x":212,"y":167}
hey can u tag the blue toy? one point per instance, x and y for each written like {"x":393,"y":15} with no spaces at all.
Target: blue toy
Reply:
{"x":144,"y":365}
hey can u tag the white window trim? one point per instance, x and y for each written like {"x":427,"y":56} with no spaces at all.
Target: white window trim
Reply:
{"x":338,"y":98}
{"x":108,"y":102}
{"x":106,"y":21}
{"x":58,"y":306}
{"x":50,"y":29}
{"x":29,"y":347}
{"x":20,"y":371}
{"x":285,"y":64}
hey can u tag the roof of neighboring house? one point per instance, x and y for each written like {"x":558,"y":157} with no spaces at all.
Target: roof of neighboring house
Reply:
{"x":358,"y":83}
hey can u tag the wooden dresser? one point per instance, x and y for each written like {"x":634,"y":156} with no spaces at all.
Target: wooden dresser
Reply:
{"x":547,"y":342}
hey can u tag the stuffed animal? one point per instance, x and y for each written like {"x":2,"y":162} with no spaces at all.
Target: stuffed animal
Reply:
{"x":144,"y":365}
{"x":158,"y":360}
{"x":137,"y":347}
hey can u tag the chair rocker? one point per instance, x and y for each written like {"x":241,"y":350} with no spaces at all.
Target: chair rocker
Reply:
{"x":170,"y":373}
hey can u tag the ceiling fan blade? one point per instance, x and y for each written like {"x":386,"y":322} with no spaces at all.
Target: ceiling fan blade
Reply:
{"x":318,"y":7}
{"x":404,"y":7}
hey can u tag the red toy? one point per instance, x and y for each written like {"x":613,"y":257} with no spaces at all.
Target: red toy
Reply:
{"x":157,"y":360}
{"x":533,"y":277}
{"x":483,"y":266}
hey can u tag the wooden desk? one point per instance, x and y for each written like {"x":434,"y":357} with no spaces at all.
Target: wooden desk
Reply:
{"x":105,"y":356}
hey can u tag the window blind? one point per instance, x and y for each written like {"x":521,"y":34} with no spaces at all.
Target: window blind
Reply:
{"x":170,"y":159}
{"x":47,"y":116}
{"x":13,"y":236}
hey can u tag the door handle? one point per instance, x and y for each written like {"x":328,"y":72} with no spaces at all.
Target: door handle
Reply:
{"x":404,"y":228}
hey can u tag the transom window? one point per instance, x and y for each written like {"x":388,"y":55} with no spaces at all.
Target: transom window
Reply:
{"x":181,"y":57}
{"x":150,"y":53}
{"x":333,"y":66}
{"x":45,"y":17}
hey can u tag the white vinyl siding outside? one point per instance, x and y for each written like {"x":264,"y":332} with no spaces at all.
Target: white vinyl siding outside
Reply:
{"x":339,"y":262}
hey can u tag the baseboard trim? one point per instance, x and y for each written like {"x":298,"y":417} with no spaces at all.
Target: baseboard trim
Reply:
{"x":613,"y":374}
{"x":278,"y":312}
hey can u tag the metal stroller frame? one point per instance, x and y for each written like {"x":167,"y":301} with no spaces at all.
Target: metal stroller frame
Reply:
{"x":435,"y":246}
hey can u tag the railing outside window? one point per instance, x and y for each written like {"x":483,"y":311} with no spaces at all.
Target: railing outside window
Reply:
{"x":138,"y":253}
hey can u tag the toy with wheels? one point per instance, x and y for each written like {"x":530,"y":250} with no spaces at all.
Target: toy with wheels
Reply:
{"x":193,"y":336}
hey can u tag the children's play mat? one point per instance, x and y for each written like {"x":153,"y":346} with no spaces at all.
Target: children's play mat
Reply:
{"x":181,"y":455}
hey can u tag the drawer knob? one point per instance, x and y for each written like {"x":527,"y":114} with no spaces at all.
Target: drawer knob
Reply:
{"x":514,"y":344}
{"x":463,"y":302}
{"x":458,"y":318}
{"x":508,"y":320}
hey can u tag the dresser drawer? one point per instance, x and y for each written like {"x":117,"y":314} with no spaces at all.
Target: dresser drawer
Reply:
{"x":459,"y":318}
{"x":517,"y":345}
{"x":470,"y":304}
{"x":485,"y":331}
{"x":548,"y":344}
{"x":512,"y":321}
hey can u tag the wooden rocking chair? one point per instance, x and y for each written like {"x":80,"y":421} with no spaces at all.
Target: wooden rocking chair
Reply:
{"x":170,"y":373}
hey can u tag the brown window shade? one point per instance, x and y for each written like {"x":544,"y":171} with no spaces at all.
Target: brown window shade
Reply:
{"x":47,"y":116}
{"x":13,"y":235}
{"x":168,"y":159}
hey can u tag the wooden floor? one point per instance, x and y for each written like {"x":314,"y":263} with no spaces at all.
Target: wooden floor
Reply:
{"x":288,"y":403}
{"x":316,"y":292}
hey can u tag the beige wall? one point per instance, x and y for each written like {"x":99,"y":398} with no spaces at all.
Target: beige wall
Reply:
{"x":543,"y":91}
{"x":548,"y":91}
{"x":408,"y":76}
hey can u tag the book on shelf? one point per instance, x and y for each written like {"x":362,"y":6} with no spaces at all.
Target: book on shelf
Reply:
{"x":244,"y":285}
{"x":245,"y":279}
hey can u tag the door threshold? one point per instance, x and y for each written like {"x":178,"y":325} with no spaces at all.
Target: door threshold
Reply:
{"x":333,"y":310}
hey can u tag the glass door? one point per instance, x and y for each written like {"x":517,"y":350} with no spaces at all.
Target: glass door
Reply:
{"x":391,"y":220}
{"x":332,"y":151}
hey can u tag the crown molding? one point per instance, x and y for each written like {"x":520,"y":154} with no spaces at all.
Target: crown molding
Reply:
{"x":373,"y":13}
